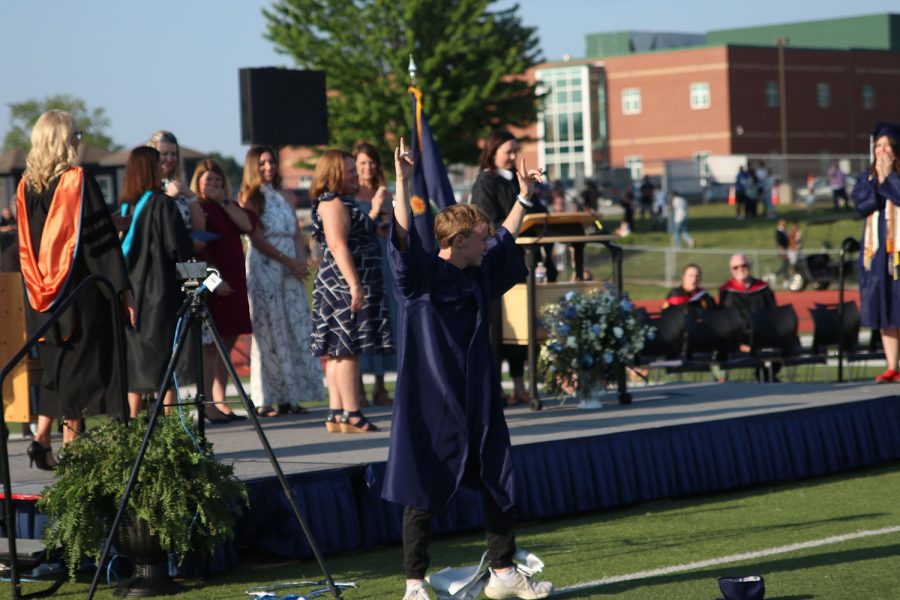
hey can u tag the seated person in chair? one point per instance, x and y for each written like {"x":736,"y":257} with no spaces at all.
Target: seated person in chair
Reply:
{"x":747,"y":294}
{"x":690,"y":295}
{"x":743,"y":291}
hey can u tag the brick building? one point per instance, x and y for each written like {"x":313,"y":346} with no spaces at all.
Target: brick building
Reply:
{"x":653,"y":98}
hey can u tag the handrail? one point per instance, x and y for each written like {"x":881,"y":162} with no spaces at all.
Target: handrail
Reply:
{"x":7,"y":369}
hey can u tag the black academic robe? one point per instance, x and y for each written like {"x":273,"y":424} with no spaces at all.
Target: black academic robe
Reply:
{"x":79,"y":358}
{"x":448,"y":426}
{"x":160,"y":240}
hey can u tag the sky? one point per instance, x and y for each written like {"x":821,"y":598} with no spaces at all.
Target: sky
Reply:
{"x":176,"y":68}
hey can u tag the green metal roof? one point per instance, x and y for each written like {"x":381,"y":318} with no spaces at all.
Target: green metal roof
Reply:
{"x":874,"y":32}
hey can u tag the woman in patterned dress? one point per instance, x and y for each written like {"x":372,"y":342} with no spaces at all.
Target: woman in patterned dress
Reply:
{"x":349,"y":315}
{"x":280,"y":364}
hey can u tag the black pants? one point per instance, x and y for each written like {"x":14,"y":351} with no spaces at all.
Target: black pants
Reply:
{"x":501,"y":540}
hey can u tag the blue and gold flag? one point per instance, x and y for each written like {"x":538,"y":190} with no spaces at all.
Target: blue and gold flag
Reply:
{"x":431,"y":190}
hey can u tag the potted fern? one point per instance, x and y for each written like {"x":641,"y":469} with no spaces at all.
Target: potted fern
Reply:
{"x":184,"y":498}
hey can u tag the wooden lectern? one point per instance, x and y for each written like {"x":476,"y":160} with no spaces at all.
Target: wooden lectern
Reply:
{"x":27,"y":374}
{"x":521,"y":303}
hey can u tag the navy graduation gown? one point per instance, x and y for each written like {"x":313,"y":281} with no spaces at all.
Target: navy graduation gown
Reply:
{"x":448,"y":426}
{"x":879,"y":292}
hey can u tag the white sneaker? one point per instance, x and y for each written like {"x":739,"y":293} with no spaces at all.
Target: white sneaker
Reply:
{"x":516,"y":586}
{"x":416,"y":593}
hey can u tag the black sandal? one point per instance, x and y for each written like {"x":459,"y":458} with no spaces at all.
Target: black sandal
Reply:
{"x":362,"y":425}
{"x":333,"y":421}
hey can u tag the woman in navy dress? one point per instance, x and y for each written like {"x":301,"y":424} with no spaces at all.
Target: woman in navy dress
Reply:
{"x":349,"y":313}
{"x":877,"y":198}
{"x":372,"y":196}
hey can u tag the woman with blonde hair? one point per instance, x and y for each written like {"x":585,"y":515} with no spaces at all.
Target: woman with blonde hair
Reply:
{"x":65,"y":235}
{"x":281,"y":368}
{"x":228,"y":306}
{"x":349,"y":315}
{"x":173,"y":184}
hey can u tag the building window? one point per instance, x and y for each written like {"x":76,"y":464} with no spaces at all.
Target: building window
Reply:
{"x":636,"y":165}
{"x":771,"y":94}
{"x":868,"y":97}
{"x":631,"y":101}
{"x":823,"y":95}
{"x":700,"y":96}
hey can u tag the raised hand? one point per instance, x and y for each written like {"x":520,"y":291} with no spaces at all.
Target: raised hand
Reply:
{"x":527,"y":179}
{"x":175,"y":188}
{"x":381,"y":194}
{"x":403,"y":161}
{"x":884,"y":165}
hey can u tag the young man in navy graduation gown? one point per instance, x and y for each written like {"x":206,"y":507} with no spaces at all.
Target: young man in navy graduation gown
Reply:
{"x":448,"y":425}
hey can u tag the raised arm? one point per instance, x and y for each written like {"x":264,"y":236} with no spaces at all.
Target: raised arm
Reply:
{"x":403,"y":165}
{"x":513,"y":221}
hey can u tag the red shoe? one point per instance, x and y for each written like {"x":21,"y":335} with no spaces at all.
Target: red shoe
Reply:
{"x":889,"y":376}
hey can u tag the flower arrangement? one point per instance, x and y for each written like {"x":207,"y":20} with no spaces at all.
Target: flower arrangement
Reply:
{"x":586,"y":334}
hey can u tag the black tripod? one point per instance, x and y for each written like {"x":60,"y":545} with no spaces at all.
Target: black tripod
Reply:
{"x":198,"y":316}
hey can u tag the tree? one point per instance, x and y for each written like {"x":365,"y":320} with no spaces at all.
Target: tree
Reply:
{"x":468,"y":58}
{"x":23,"y":115}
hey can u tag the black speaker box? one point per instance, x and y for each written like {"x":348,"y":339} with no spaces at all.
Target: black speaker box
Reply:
{"x":283,"y":107}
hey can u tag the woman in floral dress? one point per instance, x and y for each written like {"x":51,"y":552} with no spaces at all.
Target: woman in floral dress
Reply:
{"x":281,"y":366}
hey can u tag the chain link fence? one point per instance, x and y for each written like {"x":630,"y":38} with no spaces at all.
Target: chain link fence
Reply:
{"x":644,"y":266}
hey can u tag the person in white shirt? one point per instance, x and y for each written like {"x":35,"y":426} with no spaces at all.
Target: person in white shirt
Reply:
{"x":679,"y":221}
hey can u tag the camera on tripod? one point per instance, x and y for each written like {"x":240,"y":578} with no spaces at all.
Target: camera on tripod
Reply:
{"x":194,"y":273}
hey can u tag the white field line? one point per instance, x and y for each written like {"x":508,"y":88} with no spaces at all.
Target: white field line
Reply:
{"x":702,"y":564}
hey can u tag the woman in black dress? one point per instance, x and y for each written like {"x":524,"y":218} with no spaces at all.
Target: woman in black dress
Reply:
{"x":495,"y":191}
{"x":65,"y":235}
{"x":349,"y":314}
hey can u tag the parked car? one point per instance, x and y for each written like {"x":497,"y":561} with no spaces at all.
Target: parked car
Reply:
{"x":822,"y":189}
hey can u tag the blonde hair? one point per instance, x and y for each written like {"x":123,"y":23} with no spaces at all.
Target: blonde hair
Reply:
{"x":167,"y":137}
{"x":329,"y":173}
{"x":459,"y":219}
{"x":203,"y":167}
{"x":53,"y":149}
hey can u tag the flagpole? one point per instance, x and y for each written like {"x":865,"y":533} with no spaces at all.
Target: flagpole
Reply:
{"x":412,"y":71}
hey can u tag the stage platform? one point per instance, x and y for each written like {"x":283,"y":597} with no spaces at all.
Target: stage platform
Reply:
{"x":673,"y":440}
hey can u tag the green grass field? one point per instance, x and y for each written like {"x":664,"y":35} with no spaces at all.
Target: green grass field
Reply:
{"x":666,"y":534}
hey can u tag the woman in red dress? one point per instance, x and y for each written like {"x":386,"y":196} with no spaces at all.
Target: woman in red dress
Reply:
{"x":228,"y":306}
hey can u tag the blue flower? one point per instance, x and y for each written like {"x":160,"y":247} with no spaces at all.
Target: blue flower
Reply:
{"x":570,"y":312}
{"x":626,"y":304}
{"x":587,"y":360}
{"x":556,"y":347}
{"x":563,"y":329}
{"x":608,"y":357}
{"x":595,"y":328}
